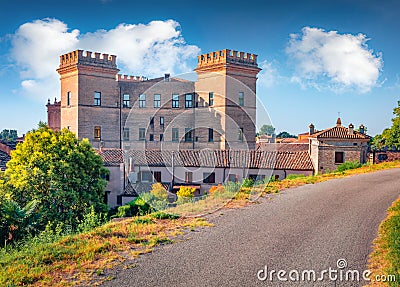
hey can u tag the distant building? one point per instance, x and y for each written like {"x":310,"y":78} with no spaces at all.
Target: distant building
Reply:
{"x":217,"y":111}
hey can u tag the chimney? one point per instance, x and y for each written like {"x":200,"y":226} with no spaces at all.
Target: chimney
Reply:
{"x":166,"y":77}
{"x":351,"y":129}
{"x":339,"y":122}
{"x":312,"y":129}
{"x":362,"y":129}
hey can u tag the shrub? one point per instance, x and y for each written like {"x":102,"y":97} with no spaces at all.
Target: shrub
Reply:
{"x":348,"y":165}
{"x":159,"y":192}
{"x":248,"y":182}
{"x":232,"y":187}
{"x":185,"y":194}
{"x":91,"y":220}
{"x":138,"y":206}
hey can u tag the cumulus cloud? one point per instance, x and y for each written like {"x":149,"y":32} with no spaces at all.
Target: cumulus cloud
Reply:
{"x":343,"y":59}
{"x":269,"y":75}
{"x":143,"y":49}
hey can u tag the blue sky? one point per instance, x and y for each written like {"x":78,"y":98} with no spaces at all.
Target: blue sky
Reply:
{"x":318,"y":57}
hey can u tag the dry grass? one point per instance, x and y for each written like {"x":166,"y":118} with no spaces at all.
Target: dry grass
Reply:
{"x":82,"y":259}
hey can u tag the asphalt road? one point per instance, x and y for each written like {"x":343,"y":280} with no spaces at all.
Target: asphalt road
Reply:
{"x":305,"y":228}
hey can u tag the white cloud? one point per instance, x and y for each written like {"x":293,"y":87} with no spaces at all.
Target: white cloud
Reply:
{"x":143,"y":49}
{"x":343,"y":59}
{"x":269,"y":75}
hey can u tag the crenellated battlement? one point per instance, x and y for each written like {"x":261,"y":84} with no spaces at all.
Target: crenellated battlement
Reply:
{"x":89,"y":58}
{"x":127,"y":78}
{"x":227,"y":56}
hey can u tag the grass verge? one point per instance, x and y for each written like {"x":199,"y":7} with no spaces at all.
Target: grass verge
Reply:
{"x":82,"y":259}
{"x":385,"y":259}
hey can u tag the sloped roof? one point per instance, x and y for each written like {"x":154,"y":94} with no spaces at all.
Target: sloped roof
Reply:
{"x":294,"y":160}
{"x":4,"y":158}
{"x":291,"y":147}
{"x":339,"y":132}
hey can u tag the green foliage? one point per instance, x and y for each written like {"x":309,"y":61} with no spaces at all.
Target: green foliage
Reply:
{"x":390,"y":137}
{"x":158,"y":197}
{"x":294,"y":176}
{"x":185,"y":194}
{"x":17,"y":222}
{"x":232,"y":187}
{"x":248,"y":182}
{"x":283,"y":135}
{"x":60,"y":172}
{"x":348,"y":165}
{"x":8,"y":136}
{"x":267,"y":130}
{"x":91,"y":220}
{"x":163,"y":215}
{"x":138,"y":206}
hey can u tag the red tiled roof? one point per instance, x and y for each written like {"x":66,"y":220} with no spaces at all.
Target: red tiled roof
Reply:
{"x":298,"y":160}
{"x":292,"y":147}
{"x":4,"y":158}
{"x":339,"y":132}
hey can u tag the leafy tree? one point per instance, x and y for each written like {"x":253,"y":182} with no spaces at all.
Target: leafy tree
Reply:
{"x":283,"y":135}
{"x":267,"y":130}
{"x":390,"y":137}
{"x":59,"y":171}
{"x":8,"y":136}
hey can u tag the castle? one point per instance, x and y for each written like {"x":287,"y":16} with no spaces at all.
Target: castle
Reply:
{"x":196,"y":130}
{"x":216,"y":111}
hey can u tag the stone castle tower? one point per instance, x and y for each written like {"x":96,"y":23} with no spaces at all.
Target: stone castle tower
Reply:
{"x":218,"y":111}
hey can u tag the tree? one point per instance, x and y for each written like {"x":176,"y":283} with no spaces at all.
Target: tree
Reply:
{"x":283,"y":135}
{"x":8,"y":136}
{"x":267,"y":130}
{"x":390,"y":137}
{"x":59,"y":171}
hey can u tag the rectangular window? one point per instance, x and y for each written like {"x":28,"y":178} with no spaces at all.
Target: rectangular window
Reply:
{"x":161,"y":137}
{"x":146,"y":176}
{"x":152,"y":121}
{"x":241,"y":99}
{"x":240,"y":134}
{"x":209,"y":177}
{"x":157,"y":176}
{"x":210,"y":98}
{"x":142,"y":134}
{"x":97,"y":133}
{"x":188,"y":101}
{"x":126,"y":101}
{"x":233,"y":178}
{"x":210,"y":135}
{"x":175,"y":100}
{"x":339,"y":157}
{"x":151,"y":138}
{"x":126,"y":134}
{"x":68,"y":98}
{"x":162,"y":122}
{"x":157,"y":100}
{"x":175,"y":134}
{"x":188,"y":177}
{"x":142,"y":101}
{"x":188,"y":135}
{"x":97,"y":98}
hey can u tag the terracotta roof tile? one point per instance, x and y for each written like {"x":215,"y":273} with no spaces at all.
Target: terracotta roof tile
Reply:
{"x":339,"y":132}
{"x":299,"y":160}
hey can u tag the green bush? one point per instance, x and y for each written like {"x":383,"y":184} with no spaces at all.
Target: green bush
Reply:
{"x":232,"y":187}
{"x":247,"y":182}
{"x":348,"y":165}
{"x":138,"y":206}
{"x":91,"y":220}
